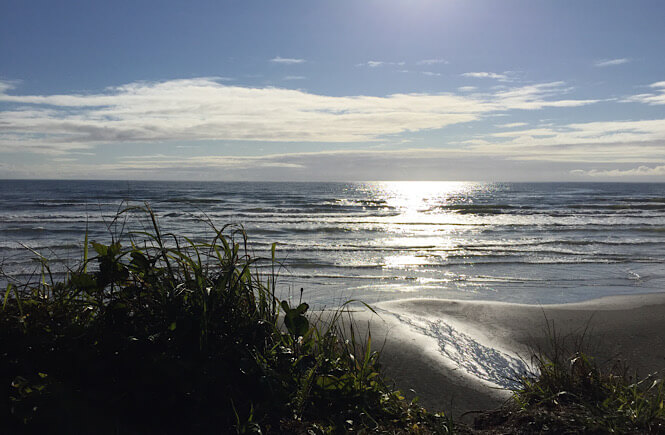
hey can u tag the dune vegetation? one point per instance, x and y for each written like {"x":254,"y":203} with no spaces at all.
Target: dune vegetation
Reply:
{"x":570,"y":392}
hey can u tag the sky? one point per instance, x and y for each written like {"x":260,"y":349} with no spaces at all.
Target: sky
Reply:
{"x":333,"y":90}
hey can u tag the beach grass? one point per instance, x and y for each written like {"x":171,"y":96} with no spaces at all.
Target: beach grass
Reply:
{"x":157,"y":333}
{"x":569,"y":391}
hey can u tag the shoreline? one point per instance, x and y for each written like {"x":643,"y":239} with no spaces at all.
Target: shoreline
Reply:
{"x":450,"y":353}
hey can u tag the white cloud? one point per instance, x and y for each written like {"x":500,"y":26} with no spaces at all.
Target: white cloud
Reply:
{"x":6,"y":86}
{"x":641,"y":171}
{"x":204,"y":109}
{"x":346,"y":164}
{"x":286,"y":60}
{"x":467,"y":88}
{"x":435,"y":61}
{"x":591,"y":133}
{"x":616,"y":141}
{"x":512,"y":125}
{"x":295,"y":78}
{"x":298,"y":160}
{"x":532,"y":97}
{"x":650,"y":98}
{"x":486,"y":75}
{"x":378,"y":63}
{"x":611,"y":62}
{"x":341,"y":165}
{"x":431,"y":73}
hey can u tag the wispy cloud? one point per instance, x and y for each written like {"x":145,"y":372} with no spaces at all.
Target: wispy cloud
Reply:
{"x":534,"y":97}
{"x":653,"y":98}
{"x":295,"y":78}
{"x":640,"y":171}
{"x":286,"y":60}
{"x":611,"y":62}
{"x":6,"y":85}
{"x":204,"y":109}
{"x":368,"y":164}
{"x":435,"y":61}
{"x":317,"y":161}
{"x":611,"y":141}
{"x":431,"y":73}
{"x":378,"y":63}
{"x":487,"y":75}
{"x":512,"y":125}
{"x":467,"y":88}
{"x":344,"y":164}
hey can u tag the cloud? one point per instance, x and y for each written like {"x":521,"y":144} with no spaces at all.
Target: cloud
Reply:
{"x":486,"y":75}
{"x":160,"y":161}
{"x":340,"y":165}
{"x":610,"y":141}
{"x":6,"y":85}
{"x":431,"y":74}
{"x":533,"y":97}
{"x":203,"y":109}
{"x":320,"y":162}
{"x":650,"y":98}
{"x":641,"y":171}
{"x":295,"y":78}
{"x":435,"y":61}
{"x":286,"y":60}
{"x":611,"y":62}
{"x":467,"y":88}
{"x":512,"y":125}
{"x":378,"y":63}
{"x":591,"y":133}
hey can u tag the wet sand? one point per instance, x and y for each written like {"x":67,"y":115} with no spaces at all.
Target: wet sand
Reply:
{"x":629,"y":328}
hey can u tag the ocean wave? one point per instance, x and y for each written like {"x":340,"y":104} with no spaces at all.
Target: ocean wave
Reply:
{"x":187,"y":200}
{"x":632,"y":206}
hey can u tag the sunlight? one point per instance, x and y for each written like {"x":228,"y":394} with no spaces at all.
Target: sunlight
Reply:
{"x":418,"y":206}
{"x":405,"y":261}
{"x":414,"y":197}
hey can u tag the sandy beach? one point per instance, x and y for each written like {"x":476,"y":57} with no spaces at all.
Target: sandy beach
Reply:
{"x":450,"y":353}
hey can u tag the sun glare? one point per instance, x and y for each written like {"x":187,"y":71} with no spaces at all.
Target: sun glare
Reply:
{"x":417,"y":205}
{"x":414,"y":197}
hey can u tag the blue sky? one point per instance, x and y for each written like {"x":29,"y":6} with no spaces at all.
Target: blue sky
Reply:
{"x":333,"y":90}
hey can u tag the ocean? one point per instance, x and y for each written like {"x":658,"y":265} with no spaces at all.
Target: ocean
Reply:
{"x":538,"y":243}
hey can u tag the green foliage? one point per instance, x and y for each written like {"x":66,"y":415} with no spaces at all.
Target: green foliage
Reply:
{"x":294,"y":319}
{"x":157,"y":333}
{"x":569,"y":392}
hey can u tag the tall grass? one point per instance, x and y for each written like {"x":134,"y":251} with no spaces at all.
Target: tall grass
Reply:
{"x":569,"y":391}
{"x":158,"y":333}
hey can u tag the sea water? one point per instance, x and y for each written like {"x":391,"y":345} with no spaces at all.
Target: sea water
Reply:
{"x":374,"y":241}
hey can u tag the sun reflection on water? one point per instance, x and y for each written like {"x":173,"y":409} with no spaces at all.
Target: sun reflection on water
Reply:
{"x":415,"y":197}
{"x":423,"y":220}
